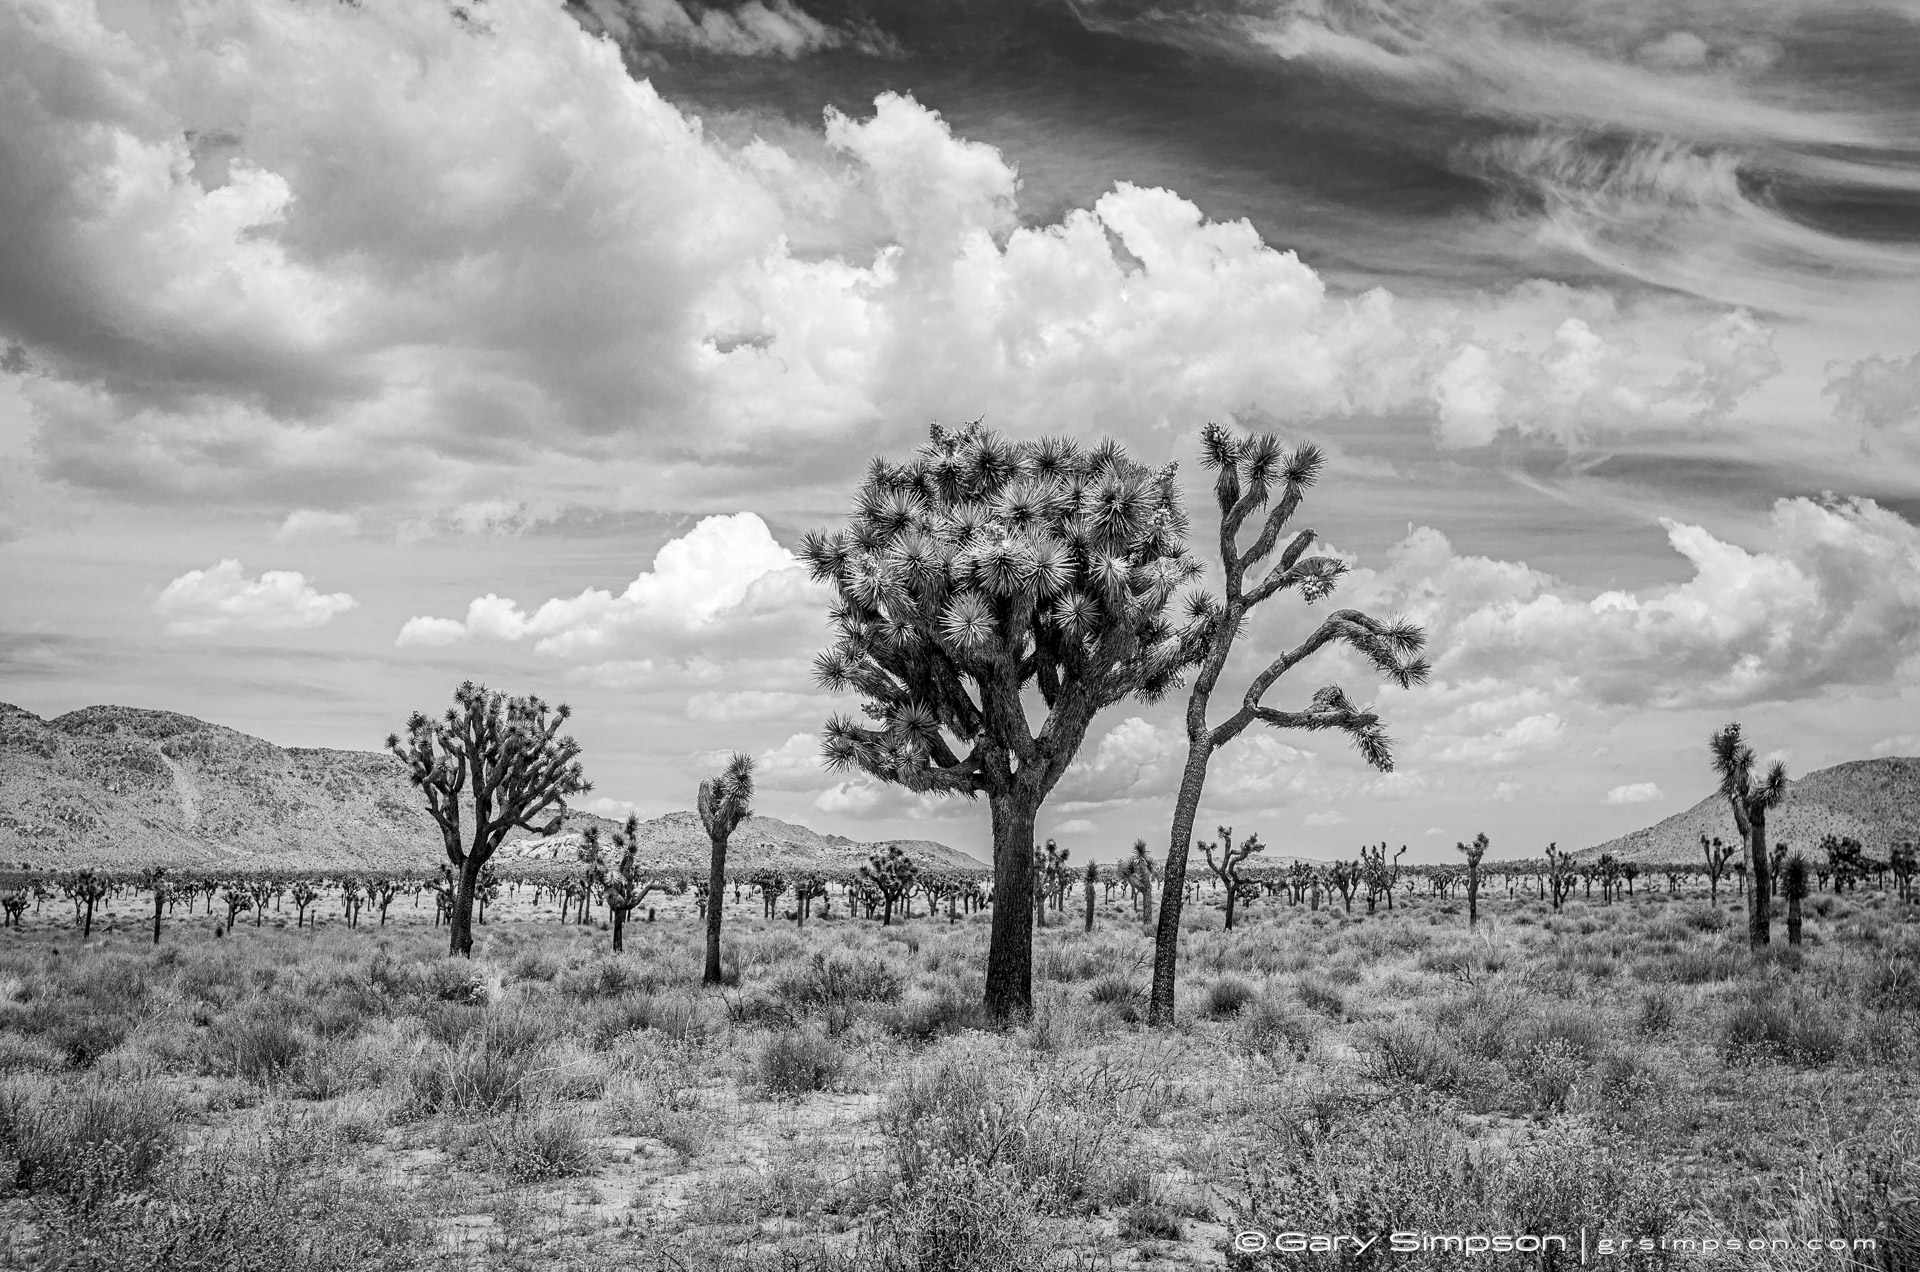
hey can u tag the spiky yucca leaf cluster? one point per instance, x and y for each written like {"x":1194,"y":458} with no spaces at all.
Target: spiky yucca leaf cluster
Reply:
{"x":982,"y":565}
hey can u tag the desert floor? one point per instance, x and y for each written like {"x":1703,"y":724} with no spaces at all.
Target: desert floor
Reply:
{"x":285,"y":1097}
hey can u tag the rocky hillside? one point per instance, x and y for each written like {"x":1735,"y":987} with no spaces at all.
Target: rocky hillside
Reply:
{"x":120,"y":787}
{"x":1875,"y":801}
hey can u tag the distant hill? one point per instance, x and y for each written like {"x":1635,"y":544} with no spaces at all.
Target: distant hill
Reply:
{"x":1875,"y":801}
{"x":122,"y":787}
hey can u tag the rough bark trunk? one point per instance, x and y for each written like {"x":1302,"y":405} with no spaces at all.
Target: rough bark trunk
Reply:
{"x":716,"y":885}
{"x":1231,"y":891}
{"x":1166,"y":937}
{"x":1010,"y":951}
{"x":1793,"y":920}
{"x":460,"y":922}
{"x":619,"y":929}
{"x":1089,"y":905}
{"x":1759,"y":926}
{"x":157,"y":901}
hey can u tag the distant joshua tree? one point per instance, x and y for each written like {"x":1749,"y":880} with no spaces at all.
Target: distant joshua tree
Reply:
{"x":1138,"y":873}
{"x":894,"y":875}
{"x":1473,"y":852}
{"x":154,"y":879}
{"x":1561,"y":872}
{"x":1252,"y":471}
{"x":726,"y":800}
{"x":1718,"y":854}
{"x":304,"y":893}
{"x":1733,"y":762}
{"x":1793,"y":885}
{"x":1227,"y":868}
{"x":507,"y":759}
{"x":807,"y":888}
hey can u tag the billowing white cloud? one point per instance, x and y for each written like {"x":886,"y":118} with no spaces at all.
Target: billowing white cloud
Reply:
{"x":1636,"y":793}
{"x":1878,"y":393}
{"x":794,"y":765}
{"x":1075,"y":826}
{"x":726,"y":571}
{"x":757,"y":704}
{"x":367,"y":286}
{"x":222,"y":598}
{"x":1834,"y":600}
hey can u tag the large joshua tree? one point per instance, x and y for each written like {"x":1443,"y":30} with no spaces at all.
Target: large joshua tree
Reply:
{"x":1733,"y":762}
{"x":1256,"y":474}
{"x":984,"y":584}
{"x":726,"y":800}
{"x":502,"y":758}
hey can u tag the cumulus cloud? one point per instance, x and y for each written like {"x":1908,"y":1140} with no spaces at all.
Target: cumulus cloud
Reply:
{"x":794,"y":765}
{"x":1636,"y":793}
{"x":1075,"y":826}
{"x":307,"y":523}
{"x":1330,"y":817}
{"x":284,"y":256}
{"x":223,"y":599}
{"x":727,"y":571}
{"x":757,"y":704}
{"x":1833,"y":600}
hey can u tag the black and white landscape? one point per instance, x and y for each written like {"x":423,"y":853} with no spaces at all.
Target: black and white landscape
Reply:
{"x":836,"y":634}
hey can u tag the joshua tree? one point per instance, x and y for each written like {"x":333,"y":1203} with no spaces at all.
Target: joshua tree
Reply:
{"x":1793,"y":885}
{"x":13,"y":905}
{"x":1561,"y":872}
{"x":503,"y":757}
{"x":771,"y":885}
{"x":805,"y":889}
{"x":1138,"y":873}
{"x":726,"y":800}
{"x":975,"y":572}
{"x":234,"y":896}
{"x":154,"y":880}
{"x":1050,"y":866}
{"x":382,"y":892}
{"x":1473,"y":852}
{"x":893,"y":875}
{"x":1903,"y":861}
{"x":1092,"y":878}
{"x":86,"y":890}
{"x":1252,"y":471}
{"x":1733,"y":762}
{"x":1227,"y":868}
{"x":1380,"y":872}
{"x":304,"y":893}
{"x":1718,"y":853}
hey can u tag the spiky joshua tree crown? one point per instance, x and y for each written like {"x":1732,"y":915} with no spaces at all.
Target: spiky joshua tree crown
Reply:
{"x":983,"y":565}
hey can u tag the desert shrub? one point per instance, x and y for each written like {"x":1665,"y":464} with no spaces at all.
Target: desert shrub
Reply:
{"x":1228,"y":997}
{"x":79,"y":1034}
{"x":1548,"y":1068}
{"x":964,"y":1110}
{"x":606,"y":977}
{"x":1569,"y":1177}
{"x":259,"y":1045}
{"x":1400,"y":1052}
{"x":1273,"y":1029}
{"x":1147,"y":1220}
{"x":840,"y":979}
{"x":601,"y":1020}
{"x":960,"y":1216}
{"x":1321,"y":997}
{"x":1654,"y":1016}
{"x":924,"y":1018}
{"x":534,"y":965}
{"x":1762,"y":1028}
{"x":796,"y":1061}
{"x":645,"y":1109}
{"x":1115,"y":990}
{"x":495,"y":1068}
{"x":87,"y":1142}
{"x":532,"y":1147}
{"x":447,"y":980}
{"x":1704,"y":918}
{"x":1892,"y":980}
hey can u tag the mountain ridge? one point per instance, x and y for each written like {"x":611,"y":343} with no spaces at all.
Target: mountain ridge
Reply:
{"x":126,"y":787}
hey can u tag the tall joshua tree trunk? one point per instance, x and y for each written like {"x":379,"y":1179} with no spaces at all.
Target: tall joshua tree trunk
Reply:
{"x":1009,"y":989}
{"x":1093,"y":876}
{"x":725,"y":801}
{"x":1250,"y":469}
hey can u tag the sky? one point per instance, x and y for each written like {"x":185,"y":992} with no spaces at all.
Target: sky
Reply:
{"x":349,"y":350}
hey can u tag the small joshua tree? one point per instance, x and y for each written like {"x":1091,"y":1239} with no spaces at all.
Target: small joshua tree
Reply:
{"x":771,"y":885}
{"x":1718,"y":854}
{"x":1227,"y":867}
{"x":1255,"y":474}
{"x":304,"y":893}
{"x":505,"y":759}
{"x":1474,"y":852}
{"x":1561,"y":872}
{"x":807,"y":888}
{"x":382,"y":892}
{"x":893,"y":875}
{"x":1733,"y":762}
{"x":86,"y":890}
{"x":726,"y":800}
{"x":1380,"y":872}
{"x":154,"y":879}
{"x":1138,"y":873}
{"x":1793,"y":885}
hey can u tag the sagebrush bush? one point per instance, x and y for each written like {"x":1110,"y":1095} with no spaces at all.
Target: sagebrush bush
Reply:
{"x":87,"y":1141}
{"x":1795,"y":1031}
{"x":532,"y":1147}
{"x":1228,"y":997}
{"x":797,"y":1061}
